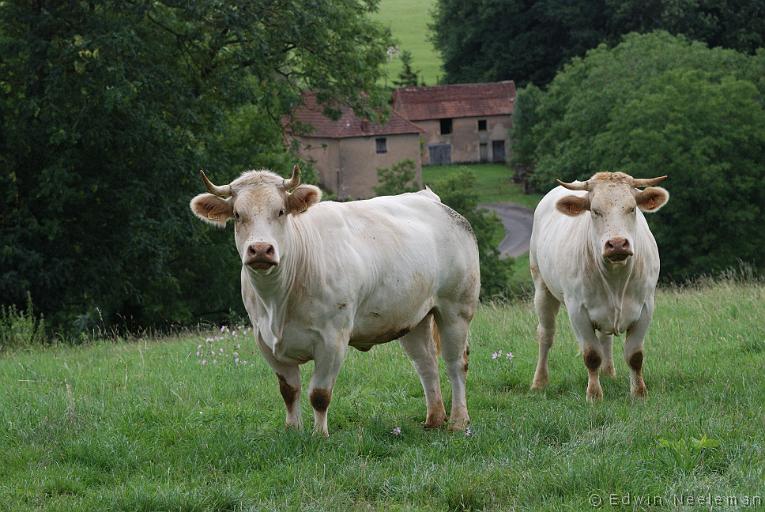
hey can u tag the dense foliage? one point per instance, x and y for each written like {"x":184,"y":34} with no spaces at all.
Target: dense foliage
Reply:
{"x":107,"y":110}
{"x":657,"y":104}
{"x":528,"y":41}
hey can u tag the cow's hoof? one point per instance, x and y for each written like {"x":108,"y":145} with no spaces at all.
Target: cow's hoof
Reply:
{"x":608,"y":371}
{"x":538,"y":385}
{"x":459,"y":425}
{"x":594,"y":394}
{"x":435,"y":420}
{"x":639,"y":392}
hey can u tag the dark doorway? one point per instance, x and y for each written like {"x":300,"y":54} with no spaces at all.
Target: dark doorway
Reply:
{"x":498,"y":150}
{"x":440,"y":154}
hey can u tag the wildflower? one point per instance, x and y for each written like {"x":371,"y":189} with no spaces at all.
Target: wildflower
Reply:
{"x":496,"y":354}
{"x":468,"y":432}
{"x":204,"y":362}
{"x":396,"y":431}
{"x":221,"y":350}
{"x":509,"y":356}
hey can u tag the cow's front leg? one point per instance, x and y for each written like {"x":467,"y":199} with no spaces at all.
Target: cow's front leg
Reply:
{"x":327,"y":365}
{"x":592,"y":350}
{"x":607,"y":341}
{"x":633,"y":351}
{"x":289,"y":385}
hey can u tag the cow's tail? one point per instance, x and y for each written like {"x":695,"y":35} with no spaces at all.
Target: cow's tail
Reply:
{"x":436,"y":334}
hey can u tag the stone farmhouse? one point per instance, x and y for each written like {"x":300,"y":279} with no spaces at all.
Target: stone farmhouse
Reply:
{"x":348,"y":151}
{"x":461,"y":123}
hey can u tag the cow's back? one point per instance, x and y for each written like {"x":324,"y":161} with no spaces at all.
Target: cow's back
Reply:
{"x":386,"y":262}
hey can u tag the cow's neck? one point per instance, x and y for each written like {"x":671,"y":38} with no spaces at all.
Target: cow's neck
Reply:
{"x":614,"y":282}
{"x":276,"y":289}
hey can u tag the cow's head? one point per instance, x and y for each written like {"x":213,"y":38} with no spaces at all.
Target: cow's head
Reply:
{"x":262,"y":206}
{"x":612,"y":199}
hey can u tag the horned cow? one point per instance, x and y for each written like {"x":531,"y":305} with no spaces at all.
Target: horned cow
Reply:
{"x":593,"y":251}
{"x":318,"y":277}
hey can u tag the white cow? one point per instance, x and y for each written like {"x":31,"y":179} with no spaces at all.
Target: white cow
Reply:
{"x":593,"y":251}
{"x":318,"y":277}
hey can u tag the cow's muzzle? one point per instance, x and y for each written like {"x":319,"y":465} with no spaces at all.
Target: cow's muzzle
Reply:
{"x":260,"y":256}
{"x":617,"y":249}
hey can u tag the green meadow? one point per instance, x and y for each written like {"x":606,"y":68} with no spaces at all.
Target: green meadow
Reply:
{"x":149,"y":424}
{"x":408,"y":21}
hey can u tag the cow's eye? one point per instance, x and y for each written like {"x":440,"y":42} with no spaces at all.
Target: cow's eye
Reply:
{"x":597,"y":213}
{"x":631,"y":210}
{"x":236,"y":215}
{"x":281,"y":212}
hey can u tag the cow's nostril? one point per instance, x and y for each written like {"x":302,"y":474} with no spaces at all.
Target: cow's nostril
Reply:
{"x":270,"y":250}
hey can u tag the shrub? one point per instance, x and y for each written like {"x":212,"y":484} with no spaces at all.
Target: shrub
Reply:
{"x":397,"y":179}
{"x":20,"y":328}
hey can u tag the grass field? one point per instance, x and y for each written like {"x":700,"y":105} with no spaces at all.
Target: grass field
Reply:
{"x":145,"y":426}
{"x":408,"y":21}
{"x":493,"y":182}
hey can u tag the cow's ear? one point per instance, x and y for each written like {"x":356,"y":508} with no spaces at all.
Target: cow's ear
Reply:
{"x":652,"y":199}
{"x":573,"y":205}
{"x":212,"y":209}
{"x":302,"y":198}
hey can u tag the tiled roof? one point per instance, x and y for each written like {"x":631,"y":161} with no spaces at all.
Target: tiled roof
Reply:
{"x":457,"y":100}
{"x":348,"y":124}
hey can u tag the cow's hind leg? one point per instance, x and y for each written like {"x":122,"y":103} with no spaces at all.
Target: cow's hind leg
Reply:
{"x":607,"y":368}
{"x":546,"y":306}
{"x":420,"y":345}
{"x":453,"y":324}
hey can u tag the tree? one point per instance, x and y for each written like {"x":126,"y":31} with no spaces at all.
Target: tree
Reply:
{"x":408,"y":77}
{"x":657,"y":104}
{"x":108,"y":109}
{"x":397,"y":179}
{"x":529,"y":41}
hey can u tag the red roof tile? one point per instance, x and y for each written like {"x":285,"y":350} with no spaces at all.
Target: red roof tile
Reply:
{"x":348,"y":124}
{"x":457,"y":100}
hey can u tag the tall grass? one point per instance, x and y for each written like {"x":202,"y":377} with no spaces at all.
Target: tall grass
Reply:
{"x":20,"y":328}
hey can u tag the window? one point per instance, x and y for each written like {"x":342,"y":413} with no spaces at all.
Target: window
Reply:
{"x":381,"y":144}
{"x":482,"y":125}
{"x":446,"y":126}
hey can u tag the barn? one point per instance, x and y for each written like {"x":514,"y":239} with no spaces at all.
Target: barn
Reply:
{"x":461,"y":123}
{"x":348,"y":151}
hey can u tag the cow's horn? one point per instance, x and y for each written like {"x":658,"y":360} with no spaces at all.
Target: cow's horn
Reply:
{"x":223,"y":191}
{"x":294,"y":181}
{"x":647,"y":182}
{"x":575,"y":185}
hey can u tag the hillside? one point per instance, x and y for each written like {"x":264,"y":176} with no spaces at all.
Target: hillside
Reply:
{"x":408,"y":22}
{"x":145,"y":425}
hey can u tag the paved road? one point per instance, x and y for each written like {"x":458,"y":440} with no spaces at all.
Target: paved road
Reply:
{"x":517,"y":221}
